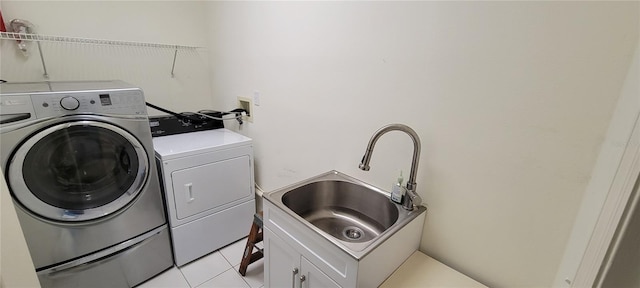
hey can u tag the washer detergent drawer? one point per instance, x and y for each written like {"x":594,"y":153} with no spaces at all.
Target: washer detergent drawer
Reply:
{"x":211,"y":186}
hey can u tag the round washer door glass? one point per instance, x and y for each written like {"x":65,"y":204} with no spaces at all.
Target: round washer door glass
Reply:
{"x":78,"y":171}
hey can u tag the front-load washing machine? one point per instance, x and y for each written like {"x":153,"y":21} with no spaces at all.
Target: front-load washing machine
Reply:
{"x":78,"y":160}
{"x":209,"y":187}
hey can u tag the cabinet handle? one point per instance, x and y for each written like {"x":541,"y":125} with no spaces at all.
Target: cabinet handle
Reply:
{"x":302,"y":278}
{"x":189,"y":192}
{"x":293,"y":279}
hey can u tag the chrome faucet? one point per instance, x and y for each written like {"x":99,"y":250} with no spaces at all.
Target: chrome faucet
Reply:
{"x":411,"y":197}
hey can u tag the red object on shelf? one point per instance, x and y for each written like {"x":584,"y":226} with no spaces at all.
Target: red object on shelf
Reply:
{"x":2,"y":27}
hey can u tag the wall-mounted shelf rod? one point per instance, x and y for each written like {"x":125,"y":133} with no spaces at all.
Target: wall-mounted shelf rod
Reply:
{"x":44,"y":66}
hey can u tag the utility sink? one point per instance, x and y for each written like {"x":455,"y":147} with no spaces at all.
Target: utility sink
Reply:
{"x":344,"y":210}
{"x":351,"y":214}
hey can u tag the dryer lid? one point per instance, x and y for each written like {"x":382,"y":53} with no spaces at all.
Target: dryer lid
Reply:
{"x":188,"y":144}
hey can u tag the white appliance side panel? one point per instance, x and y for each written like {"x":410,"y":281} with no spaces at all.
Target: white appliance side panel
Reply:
{"x":200,"y":188}
{"x":207,"y":234}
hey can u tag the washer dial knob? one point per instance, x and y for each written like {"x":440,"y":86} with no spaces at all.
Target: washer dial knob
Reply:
{"x":69,"y":103}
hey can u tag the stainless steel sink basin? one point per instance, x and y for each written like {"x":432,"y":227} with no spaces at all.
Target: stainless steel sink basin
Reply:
{"x":344,"y":210}
{"x":352,"y":214}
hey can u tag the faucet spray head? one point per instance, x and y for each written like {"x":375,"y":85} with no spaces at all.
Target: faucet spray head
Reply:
{"x":364,"y":163}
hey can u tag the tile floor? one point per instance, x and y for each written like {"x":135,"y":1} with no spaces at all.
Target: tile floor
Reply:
{"x":218,"y":269}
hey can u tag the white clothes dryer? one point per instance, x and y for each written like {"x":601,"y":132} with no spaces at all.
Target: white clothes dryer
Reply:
{"x":208,"y":183}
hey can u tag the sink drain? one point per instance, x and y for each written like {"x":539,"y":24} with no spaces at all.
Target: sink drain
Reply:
{"x":352,"y":233}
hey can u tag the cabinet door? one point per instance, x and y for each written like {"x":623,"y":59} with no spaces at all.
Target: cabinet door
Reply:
{"x":314,"y":278}
{"x":281,"y":264}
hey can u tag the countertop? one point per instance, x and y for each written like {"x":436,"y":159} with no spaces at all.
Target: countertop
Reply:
{"x":420,"y":270}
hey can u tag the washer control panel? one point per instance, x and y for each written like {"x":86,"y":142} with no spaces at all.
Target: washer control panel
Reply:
{"x":116,"y":102}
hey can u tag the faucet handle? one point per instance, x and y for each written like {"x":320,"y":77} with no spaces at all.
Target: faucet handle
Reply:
{"x":410,"y":199}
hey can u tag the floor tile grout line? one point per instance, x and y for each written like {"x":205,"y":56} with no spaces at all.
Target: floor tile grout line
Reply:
{"x":243,"y":279}
{"x":233,"y":267}
{"x":225,"y":258}
{"x":243,"y":248}
{"x":225,"y":271}
{"x":209,"y":279}
{"x":237,"y":272}
{"x":183,"y":277}
{"x":228,"y":262}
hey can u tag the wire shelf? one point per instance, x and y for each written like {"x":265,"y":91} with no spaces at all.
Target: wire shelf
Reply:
{"x":65,"y":39}
{"x":77,"y":40}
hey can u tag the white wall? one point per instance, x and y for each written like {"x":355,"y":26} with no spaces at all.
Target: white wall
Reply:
{"x":163,"y":22}
{"x":511,"y":100}
{"x":16,"y":265}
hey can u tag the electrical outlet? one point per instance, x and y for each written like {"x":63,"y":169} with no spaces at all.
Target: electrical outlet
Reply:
{"x":246,"y":104}
{"x":256,"y":98}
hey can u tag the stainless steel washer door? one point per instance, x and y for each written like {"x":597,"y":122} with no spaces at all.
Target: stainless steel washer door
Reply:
{"x":78,"y":171}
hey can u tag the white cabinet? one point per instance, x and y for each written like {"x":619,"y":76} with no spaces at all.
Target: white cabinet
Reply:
{"x":288,"y":268}
{"x":282,"y":263}
{"x":293,"y":250}
{"x":312,"y":277}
